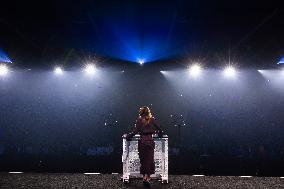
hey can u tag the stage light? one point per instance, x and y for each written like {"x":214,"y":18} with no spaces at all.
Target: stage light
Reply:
{"x":195,"y":70}
{"x":141,"y":61}
{"x":229,"y":71}
{"x":3,"y":70}
{"x":281,"y":61}
{"x":90,"y":69}
{"x":58,"y":71}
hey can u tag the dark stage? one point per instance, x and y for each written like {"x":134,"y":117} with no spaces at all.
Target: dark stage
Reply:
{"x":76,"y":76}
{"x":79,"y":180}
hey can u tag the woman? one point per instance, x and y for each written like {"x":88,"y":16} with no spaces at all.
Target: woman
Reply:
{"x":146,"y":126}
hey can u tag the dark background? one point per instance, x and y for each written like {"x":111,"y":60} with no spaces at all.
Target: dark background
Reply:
{"x":44,"y":32}
{"x":74,"y":123}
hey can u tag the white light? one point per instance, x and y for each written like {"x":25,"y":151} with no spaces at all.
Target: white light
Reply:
{"x":58,"y":70}
{"x":165,"y":73}
{"x":198,"y":175}
{"x":195,"y":70}
{"x":245,"y":176}
{"x":3,"y":70}
{"x":92,"y":173}
{"x":141,"y":61}
{"x":90,"y":69}
{"x":230,"y":71}
{"x":15,"y":172}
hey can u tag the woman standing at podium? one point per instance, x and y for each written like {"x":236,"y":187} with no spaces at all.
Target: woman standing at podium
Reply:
{"x":146,"y":126}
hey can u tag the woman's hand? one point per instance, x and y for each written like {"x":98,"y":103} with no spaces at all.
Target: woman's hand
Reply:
{"x":161,"y":134}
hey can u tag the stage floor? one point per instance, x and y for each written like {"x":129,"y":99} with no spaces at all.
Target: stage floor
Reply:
{"x":105,"y":181}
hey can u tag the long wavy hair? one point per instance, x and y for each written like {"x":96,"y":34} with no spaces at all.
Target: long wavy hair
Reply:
{"x":145,"y":114}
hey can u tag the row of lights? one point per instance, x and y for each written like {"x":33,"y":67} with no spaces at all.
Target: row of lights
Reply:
{"x":229,"y":71}
{"x":196,"y":69}
{"x":89,"y":69}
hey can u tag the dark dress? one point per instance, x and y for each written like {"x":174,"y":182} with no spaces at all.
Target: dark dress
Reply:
{"x":146,"y":144}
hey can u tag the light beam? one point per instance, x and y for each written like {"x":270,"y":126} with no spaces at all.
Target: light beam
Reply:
{"x":230,"y":71}
{"x":141,"y":61}
{"x":58,"y":70}
{"x":3,"y":70}
{"x":195,"y":70}
{"x":90,"y":69}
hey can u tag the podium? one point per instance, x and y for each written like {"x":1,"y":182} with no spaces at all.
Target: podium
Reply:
{"x":131,"y":162}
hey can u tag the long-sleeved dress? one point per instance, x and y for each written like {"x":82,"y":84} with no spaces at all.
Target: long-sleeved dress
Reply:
{"x":146,"y":144}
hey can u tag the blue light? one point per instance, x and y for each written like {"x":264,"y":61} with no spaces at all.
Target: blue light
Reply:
{"x":281,"y":61}
{"x":4,"y":57}
{"x":124,"y":33}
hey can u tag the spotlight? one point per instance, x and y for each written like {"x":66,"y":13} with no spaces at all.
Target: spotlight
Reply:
{"x":90,"y":69}
{"x":164,"y":73}
{"x":230,"y":71}
{"x":3,"y":70}
{"x":141,"y":61}
{"x":195,"y":70}
{"x":58,"y":71}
